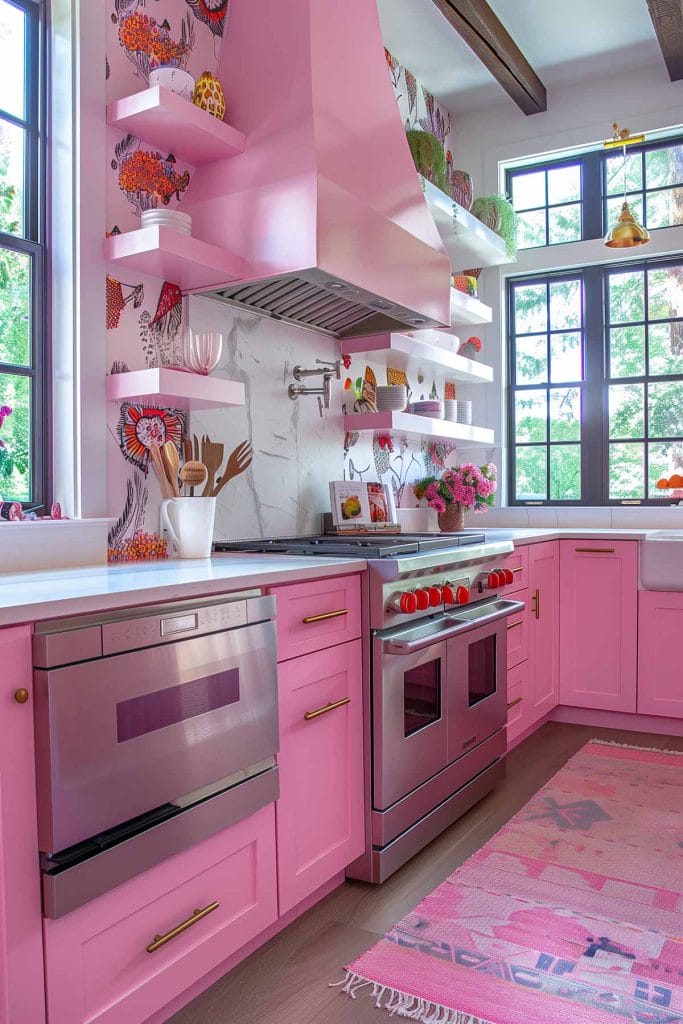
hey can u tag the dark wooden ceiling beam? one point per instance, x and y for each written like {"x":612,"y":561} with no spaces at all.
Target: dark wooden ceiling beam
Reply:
{"x":488,"y":38}
{"x":667,"y":18}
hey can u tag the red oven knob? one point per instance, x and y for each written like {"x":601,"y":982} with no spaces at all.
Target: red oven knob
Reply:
{"x":448,"y":595}
{"x":435,"y":597}
{"x":407,"y":603}
{"x":422,"y":598}
{"x":462,"y":595}
{"x":494,"y":581}
{"x":508,"y":576}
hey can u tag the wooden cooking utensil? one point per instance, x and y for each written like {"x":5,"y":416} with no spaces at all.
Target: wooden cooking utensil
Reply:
{"x":160,"y":471}
{"x":238,"y":462}
{"x":193,"y":474}
{"x":212,"y":457}
{"x":171,"y":460}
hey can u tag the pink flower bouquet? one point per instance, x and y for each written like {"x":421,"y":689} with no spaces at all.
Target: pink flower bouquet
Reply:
{"x":469,"y":486}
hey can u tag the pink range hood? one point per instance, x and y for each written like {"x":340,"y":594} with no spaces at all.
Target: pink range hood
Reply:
{"x":324,"y":205}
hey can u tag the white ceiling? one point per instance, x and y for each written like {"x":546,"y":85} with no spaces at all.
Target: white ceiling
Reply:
{"x":562,"y":39}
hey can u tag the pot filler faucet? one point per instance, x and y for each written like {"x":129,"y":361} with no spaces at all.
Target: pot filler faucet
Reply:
{"x":327,"y":370}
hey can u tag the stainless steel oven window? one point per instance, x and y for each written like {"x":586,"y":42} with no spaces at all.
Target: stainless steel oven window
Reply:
{"x":141,"y":715}
{"x":421,"y":696}
{"x":481,"y":669}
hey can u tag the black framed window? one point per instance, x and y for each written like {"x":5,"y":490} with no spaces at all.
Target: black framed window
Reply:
{"x":548,"y":201}
{"x":595,"y":383}
{"x":654,"y":184}
{"x":24,"y":462}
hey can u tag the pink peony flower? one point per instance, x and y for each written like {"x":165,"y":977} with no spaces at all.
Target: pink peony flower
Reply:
{"x":438,"y":504}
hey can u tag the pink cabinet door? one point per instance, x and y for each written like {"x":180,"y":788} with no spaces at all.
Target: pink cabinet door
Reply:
{"x":660,"y":676}
{"x":517,"y":702}
{"x":320,"y":813}
{"x":544,"y":628}
{"x":518,"y":632}
{"x":518,"y":562}
{"x":21,"y":942}
{"x":101,"y":963}
{"x":315,"y":616}
{"x":599,"y":624}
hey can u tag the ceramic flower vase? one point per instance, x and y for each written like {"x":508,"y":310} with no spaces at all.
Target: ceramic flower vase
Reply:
{"x":453,"y":519}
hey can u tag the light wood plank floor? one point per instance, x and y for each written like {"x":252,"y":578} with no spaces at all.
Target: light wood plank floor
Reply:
{"x":287,"y":980}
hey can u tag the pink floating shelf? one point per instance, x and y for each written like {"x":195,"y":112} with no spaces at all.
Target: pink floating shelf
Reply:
{"x":173,"y":256}
{"x":175,"y":125}
{"x":418,"y":426}
{"x":175,"y":388}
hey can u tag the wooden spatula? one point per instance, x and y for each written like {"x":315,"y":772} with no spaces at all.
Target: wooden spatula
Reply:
{"x":238,"y":462}
{"x":212,"y":458}
{"x":171,"y":460}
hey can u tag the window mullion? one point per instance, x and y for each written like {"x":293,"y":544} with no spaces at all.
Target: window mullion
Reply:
{"x":591,"y":185}
{"x":593,"y":410}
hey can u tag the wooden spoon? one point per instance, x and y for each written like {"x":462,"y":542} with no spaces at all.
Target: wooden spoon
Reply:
{"x":171,"y":459}
{"x":193,"y":474}
{"x":238,"y":462}
{"x":160,"y":472}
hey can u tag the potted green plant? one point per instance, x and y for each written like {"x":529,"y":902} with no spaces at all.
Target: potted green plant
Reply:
{"x":429,"y":157}
{"x":497,"y":213}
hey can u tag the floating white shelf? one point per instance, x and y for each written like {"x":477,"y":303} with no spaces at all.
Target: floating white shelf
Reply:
{"x":414,"y":351}
{"x":174,"y":387}
{"x":175,"y":125}
{"x":175,"y":257}
{"x":418,"y":426}
{"x":465,"y":309}
{"x":468,"y":242}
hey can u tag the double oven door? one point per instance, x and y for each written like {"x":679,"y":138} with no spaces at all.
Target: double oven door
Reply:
{"x":433,"y":702}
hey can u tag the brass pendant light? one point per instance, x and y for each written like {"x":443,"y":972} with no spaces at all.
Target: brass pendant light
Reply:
{"x":627,"y":232}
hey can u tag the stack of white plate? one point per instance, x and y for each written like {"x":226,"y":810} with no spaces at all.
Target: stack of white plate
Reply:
{"x":431,"y":408}
{"x":391,"y":398}
{"x":173,"y":219}
{"x":450,"y":409}
{"x":464,"y":412}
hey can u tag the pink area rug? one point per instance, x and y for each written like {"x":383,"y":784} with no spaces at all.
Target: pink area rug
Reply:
{"x":571,"y":914}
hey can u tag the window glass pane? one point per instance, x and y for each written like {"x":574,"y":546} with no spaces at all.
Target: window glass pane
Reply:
{"x":532,"y":359}
{"x":565,"y":305}
{"x":15,"y":454}
{"x":565,"y":472}
{"x":12,"y":50}
{"x":626,"y":470}
{"x":665,"y":409}
{"x":626,"y":296}
{"x":530,"y":472}
{"x":635,"y":203}
{"x":666,"y":348}
{"x":614,"y":173}
{"x":626,"y":413}
{"x":565,"y":414}
{"x":665,"y":292}
{"x":11,"y":178}
{"x":664,"y":166}
{"x":531,"y":416}
{"x":564,"y":184}
{"x":564,"y":224}
{"x":15,"y":308}
{"x":627,"y":351}
{"x":531,"y":229}
{"x":665,"y":208}
{"x":528,"y":190}
{"x":664,"y":459}
{"x":566,"y":357}
{"x":531,"y":313}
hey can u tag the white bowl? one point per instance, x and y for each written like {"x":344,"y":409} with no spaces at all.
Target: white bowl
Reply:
{"x":171,"y":216}
{"x":175,"y":79}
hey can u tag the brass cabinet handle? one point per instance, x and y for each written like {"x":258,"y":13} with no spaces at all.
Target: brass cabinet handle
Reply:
{"x":325,"y":615}
{"x":332,"y":706}
{"x":513,"y":703}
{"x":197,"y":915}
{"x":517,"y":622}
{"x":537,"y":604}
{"x":517,"y":568}
{"x":21,"y":695}
{"x":595,"y":551}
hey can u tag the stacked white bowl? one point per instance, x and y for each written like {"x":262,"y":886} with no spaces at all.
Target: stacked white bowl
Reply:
{"x":450,"y":409}
{"x":464,"y":412}
{"x":391,"y":397}
{"x":173,"y":219}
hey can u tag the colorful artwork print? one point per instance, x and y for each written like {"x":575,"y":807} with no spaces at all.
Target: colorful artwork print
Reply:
{"x":211,"y":13}
{"x":142,"y":427}
{"x":149,"y":44}
{"x":147,"y":178}
{"x":571,"y":912}
{"x":117,"y":300}
{"x":160,"y":334}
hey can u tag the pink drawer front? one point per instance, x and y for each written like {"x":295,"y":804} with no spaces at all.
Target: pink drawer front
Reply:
{"x":518,"y":632}
{"x":98,"y":967}
{"x":315,"y":616}
{"x":518,"y":702}
{"x":518,"y":561}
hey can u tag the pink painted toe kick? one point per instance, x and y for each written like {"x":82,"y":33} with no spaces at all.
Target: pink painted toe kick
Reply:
{"x":618,"y":720}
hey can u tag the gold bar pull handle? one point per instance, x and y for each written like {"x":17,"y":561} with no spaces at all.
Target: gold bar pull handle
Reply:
{"x":517,"y":568}
{"x":595,"y":551}
{"x":325,"y":615}
{"x":197,"y":915}
{"x":332,"y":706}
{"x":517,"y":622}
{"x":536,"y":606}
{"x":515,"y":702}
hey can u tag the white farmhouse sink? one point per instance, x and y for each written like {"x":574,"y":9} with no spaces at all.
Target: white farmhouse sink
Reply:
{"x":661,"y":560}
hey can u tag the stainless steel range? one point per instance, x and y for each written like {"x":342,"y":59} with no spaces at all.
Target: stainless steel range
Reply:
{"x":437,"y":655}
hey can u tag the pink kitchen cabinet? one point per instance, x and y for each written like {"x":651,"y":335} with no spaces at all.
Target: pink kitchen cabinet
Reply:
{"x":517,"y":702}
{"x":320,"y":813}
{"x":518,"y":632}
{"x":317,"y":615}
{"x":599,"y":624}
{"x":22,"y":998}
{"x":660,"y":675}
{"x":544,"y":628}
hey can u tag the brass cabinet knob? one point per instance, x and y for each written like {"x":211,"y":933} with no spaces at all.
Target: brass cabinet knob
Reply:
{"x":21,"y":695}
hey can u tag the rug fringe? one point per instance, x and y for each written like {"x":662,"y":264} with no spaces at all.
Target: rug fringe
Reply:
{"x":402,"y":1004}
{"x":634,"y":746}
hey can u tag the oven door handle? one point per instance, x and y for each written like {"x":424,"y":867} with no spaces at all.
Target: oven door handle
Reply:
{"x":394,"y":645}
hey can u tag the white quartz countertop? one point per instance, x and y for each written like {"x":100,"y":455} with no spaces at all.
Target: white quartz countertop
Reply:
{"x":531,"y":535}
{"x":31,"y":596}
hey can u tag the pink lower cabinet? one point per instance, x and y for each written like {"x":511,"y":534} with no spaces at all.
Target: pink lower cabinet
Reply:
{"x":544,"y":628}
{"x":660,"y":635}
{"x":599,"y":624}
{"x":21,"y":941}
{"x":518,"y":701}
{"x":518,"y":633}
{"x":320,"y":813}
{"x":124,"y":956}
{"x":315,"y":616}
